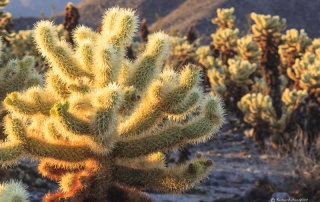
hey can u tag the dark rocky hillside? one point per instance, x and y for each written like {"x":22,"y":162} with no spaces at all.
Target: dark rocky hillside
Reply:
{"x":180,"y":14}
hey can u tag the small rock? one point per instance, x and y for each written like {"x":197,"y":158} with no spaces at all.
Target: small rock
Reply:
{"x":243,"y":153}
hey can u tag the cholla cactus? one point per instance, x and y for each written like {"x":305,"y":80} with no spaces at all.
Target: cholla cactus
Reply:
{"x":204,"y":57}
{"x":284,"y":82}
{"x":13,"y":191}
{"x":256,"y":106}
{"x":22,"y":43}
{"x":240,"y":70}
{"x":267,"y":27}
{"x":305,"y":72}
{"x":294,"y":46}
{"x":226,"y":39}
{"x":6,"y":26}
{"x":99,"y":126}
{"x":259,"y":112}
{"x":248,"y":49}
{"x":231,"y":82}
{"x":291,"y":98}
{"x":217,"y":74}
{"x":4,"y":3}
{"x":225,"y":18}
{"x":181,"y":53}
{"x":310,"y":78}
{"x":266,"y":33}
{"x":18,"y":76}
{"x":314,"y":46}
{"x":259,"y":86}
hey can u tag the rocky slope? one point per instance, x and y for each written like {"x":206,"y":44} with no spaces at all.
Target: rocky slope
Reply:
{"x":180,"y":14}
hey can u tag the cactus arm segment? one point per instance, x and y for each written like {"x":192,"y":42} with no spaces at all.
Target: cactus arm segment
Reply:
{"x":30,"y":103}
{"x":68,"y":121}
{"x":174,"y":180}
{"x":55,"y":132}
{"x":131,"y":99}
{"x":109,"y":20}
{"x":39,"y":147}
{"x":55,"y":169}
{"x":160,"y":97}
{"x":57,"y":86}
{"x":189,"y":102}
{"x":126,"y":28}
{"x":83,"y":34}
{"x":62,"y":151}
{"x":58,"y":53}
{"x":13,"y":103}
{"x":208,"y":123}
{"x":85,"y":52}
{"x":11,"y":150}
{"x":79,"y":181}
{"x":104,"y":60}
{"x":162,"y":140}
{"x":196,"y":131}
{"x":15,"y":74}
{"x":149,"y":63}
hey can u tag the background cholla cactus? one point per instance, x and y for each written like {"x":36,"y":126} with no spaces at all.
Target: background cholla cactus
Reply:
{"x":181,"y":52}
{"x":216,"y":74}
{"x":17,"y":75}
{"x":305,"y":71}
{"x":314,"y":46}
{"x":266,"y":33}
{"x":13,"y":191}
{"x":259,"y":86}
{"x":267,"y":27}
{"x":248,"y":49}
{"x":231,"y":81}
{"x":204,"y":57}
{"x":4,"y":3}
{"x":225,"y":18}
{"x":240,"y":71}
{"x":259,"y":112}
{"x":6,"y":26}
{"x":225,"y":40}
{"x":295,"y":45}
{"x":291,"y":98}
{"x":22,"y":45}
{"x":101,"y":123}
